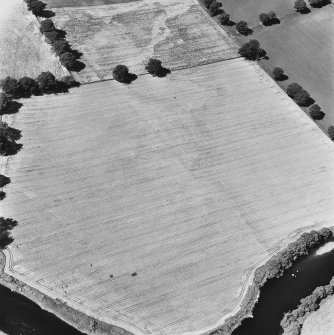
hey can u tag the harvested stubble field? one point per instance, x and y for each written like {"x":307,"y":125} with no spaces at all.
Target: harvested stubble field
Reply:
{"x":303,"y":46}
{"x":320,"y":322}
{"x":190,"y":181}
{"x":22,"y":52}
{"x":178,"y":32}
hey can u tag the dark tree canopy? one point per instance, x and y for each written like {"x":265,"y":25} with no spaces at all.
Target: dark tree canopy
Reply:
{"x":301,"y":7}
{"x":155,"y":68}
{"x":293,"y":89}
{"x":264,"y":18}
{"x":278,"y":74}
{"x":316,"y":113}
{"x":10,"y":86}
{"x":68,"y":60}
{"x":225,"y":19}
{"x":121,"y":74}
{"x":6,"y":225}
{"x":47,"y":25}
{"x":70,"y":82}
{"x":251,"y":50}
{"x":28,"y":87}
{"x":47,"y":82}
{"x":9,"y":133}
{"x":37,"y":7}
{"x":207,"y":3}
{"x":302,"y":98}
{"x":215,"y":8}
{"x":4,"y":101}
{"x":242,"y":28}
{"x":4,"y":180}
{"x":60,"y":46}
{"x":330,"y":132}
{"x":319,"y":3}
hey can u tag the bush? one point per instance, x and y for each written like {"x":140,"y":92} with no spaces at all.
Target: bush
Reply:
{"x":47,"y":83}
{"x":28,"y":87}
{"x":316,"y":113}
{"x":224,"y":19}
{"x":251,"y":50}
{"x":278,"y":74}
{"x":4,"y":180}
{"x":10,"y":86}
{"x":215,"y":8}
{"x":330,"y":132}
{"x":301,"y":7}
{"x":121,"y":74}
{"x":242,"y":28}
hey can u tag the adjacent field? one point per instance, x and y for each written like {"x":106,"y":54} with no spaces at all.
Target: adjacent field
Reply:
{"x":190,"y":181}
{"x":178,"y":32}
{"x":303,"y":46}
{"x":22,"y":52}
{"x":320,"y":322}
{"x":249,"y":10}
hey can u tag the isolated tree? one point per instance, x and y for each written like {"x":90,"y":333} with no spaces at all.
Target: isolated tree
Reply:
{"x":37,"y":7}
{"x":317,"y":3}
{"x":242,"y":28}
{"x":207,"y":3}
{"x":316,"y":113}
{"x":264,"y":18}
{"x":272,"y":15}
{"x":224,"y":19}
{"x":47,"y":82}
{"x":10,"y":86}
{"x":155,"y":68}
{"x":251,"y":50}
{"x":121,"y":74}
{"x":301,"y":7}
{"x":68,"y":60}
{"x":4,"y":101}
{"x":47,"y":25}
{"x":215,"y":8}
{"x":278,"y":74}
{"x":293,"y":89}
{"x":330,"y":132}
{"x":28,"y":87}
{"x":4,"y":180}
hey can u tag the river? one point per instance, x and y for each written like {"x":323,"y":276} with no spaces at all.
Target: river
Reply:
{"x":280,"y":295}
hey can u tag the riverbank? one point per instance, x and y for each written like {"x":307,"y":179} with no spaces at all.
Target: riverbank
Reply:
{"x":273,"y":268}
{"x":75,"y":318}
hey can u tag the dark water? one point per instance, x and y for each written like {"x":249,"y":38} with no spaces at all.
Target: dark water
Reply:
{"x":20,"y":316}
{"x":283,"y":294}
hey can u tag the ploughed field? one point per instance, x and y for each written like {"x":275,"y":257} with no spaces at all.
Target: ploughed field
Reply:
{"x":177,"y":32}
{"x":149,"y":205}
{"x":22,"y":52}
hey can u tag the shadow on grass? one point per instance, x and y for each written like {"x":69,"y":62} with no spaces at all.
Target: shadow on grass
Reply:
{"x":128,"y":79}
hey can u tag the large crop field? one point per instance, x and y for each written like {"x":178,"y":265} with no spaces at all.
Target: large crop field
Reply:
{"x":320,"y":322}
{"x":150,"y":205}
{"x":22,"y":51}
{"x":178,"y":32}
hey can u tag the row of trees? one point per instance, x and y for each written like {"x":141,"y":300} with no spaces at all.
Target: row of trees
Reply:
{"x":38,"y":8}
{"x":293,"y":320}
{"x":154,"y":67}
{"x":299,"y":95}
{"x":45,"y":83}
{"x":56,"y":38}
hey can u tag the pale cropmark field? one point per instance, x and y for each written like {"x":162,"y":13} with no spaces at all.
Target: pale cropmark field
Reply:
{"x":190,"y":182}
{"x":178,"y":32}
{"x":22,"y":52}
